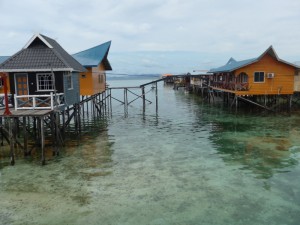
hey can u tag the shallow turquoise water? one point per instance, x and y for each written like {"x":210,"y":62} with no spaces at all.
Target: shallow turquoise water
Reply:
{"x":189,"y":163}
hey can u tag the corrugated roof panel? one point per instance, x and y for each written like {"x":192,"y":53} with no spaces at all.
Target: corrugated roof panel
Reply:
{"x":94,"y":56}
{"x":42,"y":58}
{"x":233,"y":65}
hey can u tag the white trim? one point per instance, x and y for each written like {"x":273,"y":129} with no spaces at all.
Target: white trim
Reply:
{"x":37,"y":82}
{"x":40,"y":37}
{"x":15,"y":82}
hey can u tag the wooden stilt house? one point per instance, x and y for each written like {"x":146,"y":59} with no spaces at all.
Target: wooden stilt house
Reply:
{"x":43,"y":75}
{"x":93,"y":81}
{"x":265,"y":75}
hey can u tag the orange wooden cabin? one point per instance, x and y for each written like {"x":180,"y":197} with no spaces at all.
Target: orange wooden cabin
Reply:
{"x":264,"y":75}
{"x":93,"y":81}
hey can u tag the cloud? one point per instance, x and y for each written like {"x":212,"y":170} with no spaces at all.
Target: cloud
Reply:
{"x":214,"y":28}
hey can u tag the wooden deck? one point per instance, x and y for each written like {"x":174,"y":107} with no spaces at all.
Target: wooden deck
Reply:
{"x":239,"y":93}
{"x":26,"y":112}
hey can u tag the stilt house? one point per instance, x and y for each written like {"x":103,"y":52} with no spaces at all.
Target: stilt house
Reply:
{"x":265,"y":75}
{"x":93,"y":81}
{"x":43,"y":75}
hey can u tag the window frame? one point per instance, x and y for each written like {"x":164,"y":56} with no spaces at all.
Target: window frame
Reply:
{"x":263,"y":81}
{"x":38,"y":75}
{"x":69,"y":81}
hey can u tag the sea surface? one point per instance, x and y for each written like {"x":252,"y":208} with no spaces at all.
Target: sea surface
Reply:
{"x":188,"y":162}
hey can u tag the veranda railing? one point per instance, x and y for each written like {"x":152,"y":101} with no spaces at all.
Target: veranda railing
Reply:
{"x":50,"y":101}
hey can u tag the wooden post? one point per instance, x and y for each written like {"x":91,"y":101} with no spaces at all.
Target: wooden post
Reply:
{"x":53,"y":133}
{"x":1,"y":127}
{"x":82,"y":98}
{"x":79,"y":119}
{"x":87,"y":108}
{"x":156,"y":97}
{"x":290,"y":103}
{"x":11,"y":139}
{"x":63,"y":124}
{"x":125,"y":101}
{"x":144,"y":98}
{"x":105,"y":102}
{"x":16,"y":130}
{"x":25,"y":137}
{"x":41,"y":122}
{"x":110,"y":100}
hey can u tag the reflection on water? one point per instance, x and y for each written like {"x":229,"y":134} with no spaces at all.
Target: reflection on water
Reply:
{"x":190,"y":163}
{"x":265,"y":145}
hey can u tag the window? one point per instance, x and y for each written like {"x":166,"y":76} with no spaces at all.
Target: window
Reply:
{"x":243,"y":77}
{"x":101,"y":78}
{"x":69,"y":81}
{"x":45,"y":82}
{"x":259,"y":76}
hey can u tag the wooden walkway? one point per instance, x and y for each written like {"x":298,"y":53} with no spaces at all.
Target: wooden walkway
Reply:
{"x":26,"y":112}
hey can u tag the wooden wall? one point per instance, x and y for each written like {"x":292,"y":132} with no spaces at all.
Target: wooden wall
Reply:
{"x":282,"y":83}
{"x":72,"y":95}
{"x":93,"y":81}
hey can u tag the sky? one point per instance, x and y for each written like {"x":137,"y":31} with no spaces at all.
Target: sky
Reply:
{"x":158,"y":36}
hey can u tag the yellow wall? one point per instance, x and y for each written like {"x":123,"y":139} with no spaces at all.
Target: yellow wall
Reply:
{"x":282,"y":83}
{"x":90,"y":84}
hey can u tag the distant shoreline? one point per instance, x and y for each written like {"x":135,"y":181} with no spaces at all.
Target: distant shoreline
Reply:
{"x":131,"y":76}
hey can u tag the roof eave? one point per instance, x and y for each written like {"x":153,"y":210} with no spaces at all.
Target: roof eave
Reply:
{"x":37,"y":70}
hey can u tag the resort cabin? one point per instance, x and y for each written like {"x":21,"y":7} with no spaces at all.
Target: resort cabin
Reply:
{"x":43,"y":75}
{"x":265,"y":75}
{"x":93,"y":80}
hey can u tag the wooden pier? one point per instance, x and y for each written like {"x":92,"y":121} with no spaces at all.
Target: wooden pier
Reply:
{"x":28,"y":129}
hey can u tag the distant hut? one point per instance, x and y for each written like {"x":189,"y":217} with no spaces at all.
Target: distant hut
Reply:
{"x":42,"y":69}
{"x":264,"y":75}
{"x":93,"y":80}
{"x":266,"y":81}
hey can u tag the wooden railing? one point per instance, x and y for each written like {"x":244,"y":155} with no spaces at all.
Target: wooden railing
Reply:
{"x":50,"y":101}
{"x":231,"y":85}
{"x":2,"y":101}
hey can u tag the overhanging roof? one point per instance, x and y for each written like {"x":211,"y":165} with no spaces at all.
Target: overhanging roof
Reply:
{"x":92,"y":57}
{"x":41,"y":53}
{"x":232,"y":64}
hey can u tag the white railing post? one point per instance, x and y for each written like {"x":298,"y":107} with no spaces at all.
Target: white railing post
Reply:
{"x":33,"y":102}
{"x":51,"y":97}
{"x":16,"y":102}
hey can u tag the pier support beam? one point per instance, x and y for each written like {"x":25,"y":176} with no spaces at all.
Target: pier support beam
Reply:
{"x":11,"y":139}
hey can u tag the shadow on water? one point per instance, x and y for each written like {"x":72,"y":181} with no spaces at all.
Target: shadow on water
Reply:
{"x":89,"y":149}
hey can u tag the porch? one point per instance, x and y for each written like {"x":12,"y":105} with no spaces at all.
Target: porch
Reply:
{"x":48,"y":101}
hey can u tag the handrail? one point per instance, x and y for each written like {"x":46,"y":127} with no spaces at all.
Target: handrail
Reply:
{"x":2,"y":102}
{"x":47,"y":101}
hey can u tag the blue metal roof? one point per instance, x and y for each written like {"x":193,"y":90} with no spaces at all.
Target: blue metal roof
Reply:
{"x":94,"y":56}
{"x":3,"y":58}
{"x":232,"y":64}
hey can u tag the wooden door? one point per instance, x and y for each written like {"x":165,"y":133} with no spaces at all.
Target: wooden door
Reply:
{"x":21,"y":84}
